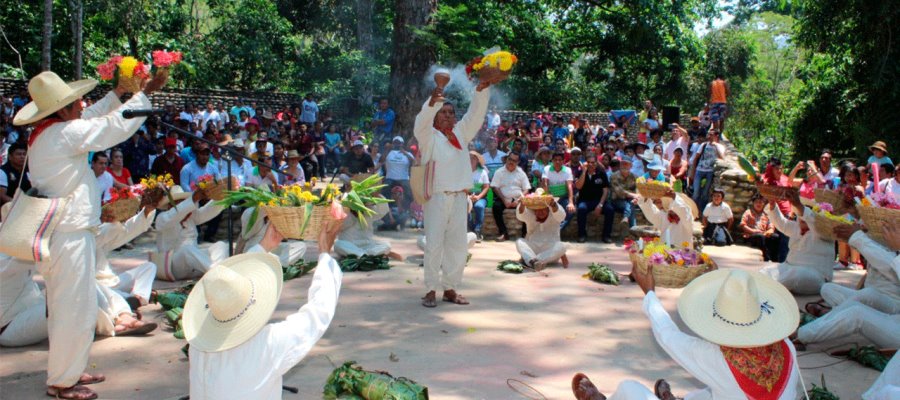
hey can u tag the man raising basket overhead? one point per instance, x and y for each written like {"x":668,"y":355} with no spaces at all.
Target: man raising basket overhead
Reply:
{"x":446,"y":142}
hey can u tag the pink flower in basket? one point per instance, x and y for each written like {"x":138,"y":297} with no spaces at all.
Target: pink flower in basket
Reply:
{"x":658,"y":259}
{"x":164,"y":59}
{"x":826,"y":207}
{"x":107,"y":71}
{"x":337,"y":210}
{"x":203,"y":182}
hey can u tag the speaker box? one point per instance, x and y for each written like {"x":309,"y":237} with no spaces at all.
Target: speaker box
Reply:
{"x":670,"y":115}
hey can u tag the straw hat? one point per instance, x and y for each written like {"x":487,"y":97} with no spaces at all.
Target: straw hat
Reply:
{"x":879,"y":145}
{"x":737,"y":308}
{"x":232,"y":302}
{"x":695,"y":211}
{"x":177,"y":194}
{"x":226,"y":140}
{"x":293,"y":154}
{"x":50,"y":94}
{"x":656,"y":164}
{"x":478,"y":157}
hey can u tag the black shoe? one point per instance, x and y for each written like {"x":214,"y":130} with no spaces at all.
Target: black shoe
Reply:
{"x":582,"y":239}
{"x":607,"y":240}
{"x":478,"y":237}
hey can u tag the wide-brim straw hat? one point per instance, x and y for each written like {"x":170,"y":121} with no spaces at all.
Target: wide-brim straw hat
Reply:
{"x":695,"y":211}
{"x":293,"y":154}
{"x":232,"y":302}
{"x":879,"y":145}
{"x":177,"y":194}
{"x":50,"y":94}
{"x":737,"y":308}
{"x":478,"y":157}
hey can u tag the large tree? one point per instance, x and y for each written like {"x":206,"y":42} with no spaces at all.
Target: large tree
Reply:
{"x":410,"y":60}
{"x":47,"y":35}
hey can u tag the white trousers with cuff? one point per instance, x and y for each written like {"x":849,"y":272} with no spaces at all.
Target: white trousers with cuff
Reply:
{"x":137,"y":281}
{"x":345,"y":248}
{"x":853,"y":317}
{"x":445,"y":240}
{"x":540,"y":254}
{"x":835,"y":295}
{"x":798,"y":279}
{"x":190,"y":261}
{"x":27,"y":327}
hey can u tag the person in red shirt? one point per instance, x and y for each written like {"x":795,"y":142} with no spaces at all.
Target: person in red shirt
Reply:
{"x":120,"y":174}
{"x":169,"y":163}
{"x":774,"y":175}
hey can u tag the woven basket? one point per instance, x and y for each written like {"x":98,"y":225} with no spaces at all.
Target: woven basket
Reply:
{"x":776,"y":193}
{"x":834,"y":198}
{"x":652,"y":190}
{"x":876,"y":219}
{"x":492,"y":74}
{"x":123,"y":209}
{"x":288,"y":221}
{"x":217,"y":191}
{"x":360,"y":177}
{"x":537,"y":202}
{"x":671,"y":276}
{"x":132,"y":84}
{"x":825,"y":227}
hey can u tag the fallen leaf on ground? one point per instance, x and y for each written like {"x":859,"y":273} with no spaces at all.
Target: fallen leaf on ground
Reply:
{"x":528,"y":374}
{"x":471,"y":330}
{"x":393,"y":357}
{"x":409,"y":281}
{"x":444,"y":331}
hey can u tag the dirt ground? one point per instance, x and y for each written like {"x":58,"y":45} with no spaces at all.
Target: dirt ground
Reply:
{"x":523,"y":336}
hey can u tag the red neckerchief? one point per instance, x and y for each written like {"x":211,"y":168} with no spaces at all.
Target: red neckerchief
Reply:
{"x":451,"y":137}
{"x":761,"y":372}
{"x":673,"y":217}
{"x":44,"y":124}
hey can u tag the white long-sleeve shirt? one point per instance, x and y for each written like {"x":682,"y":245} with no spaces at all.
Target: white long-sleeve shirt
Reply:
{"x":58,"y":164}
{"x":808,"y":249}
{"x":351,"y":231}
{"x":18,"y":291}
{"x":452,"y":167}
{"x":673,"y":234}
{"x":254,"y":369}
{"x":172,"y":233}
{"x":704,"y":360}
{"x":112,"y":236}
{"x":542,"y":235}
{"x":882,"y":275}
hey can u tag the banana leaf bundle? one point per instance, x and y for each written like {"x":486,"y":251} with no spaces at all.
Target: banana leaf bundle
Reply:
{"x":868,"y":356}
{"x":510,"y":266}
{"x":297,"y":269}
{"x":170,"y":300}
{"x":603,"y":274}
{"x":350,"y":381}
{"x":173,"y":318}
{"x":365,"y":263}
{"x":806,"y":318}
{"x":821,"y":392}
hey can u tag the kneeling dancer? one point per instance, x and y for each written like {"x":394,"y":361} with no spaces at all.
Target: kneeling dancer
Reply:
{"x":541,"y":244}
{"x":177,"y":233}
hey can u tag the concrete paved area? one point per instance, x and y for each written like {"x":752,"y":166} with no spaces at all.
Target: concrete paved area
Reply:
{"x":534,"y":328}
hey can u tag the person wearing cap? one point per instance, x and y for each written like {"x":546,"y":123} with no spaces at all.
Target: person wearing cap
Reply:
{"x":742,"y":319}
{"x":694,"y":131}
{"x":879,"y":154}
{"x":873,"y":311}
{"x":251,"y":235}
{"x":542,"y":159}
{"x":541,"y":244}
{"x":624,"y":196}
{"x":703,"y":166}
{"x":293,"y":168}
{"x":200,"y":166}
{"x":445,"y":142}
{"x":396,"y":167}
{"x":234,"y":352}
{"x":557,"y":180}
{"x":169,"y":162}
{"x":176,"y":238}
{"x":59,"y":145}
{"x":673,"y":218}
{"x":717,"y":217}
{"x":357,"y":238}
{"x":356,"y":161}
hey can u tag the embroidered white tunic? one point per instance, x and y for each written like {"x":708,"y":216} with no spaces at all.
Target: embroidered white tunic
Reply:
{"x":188,"y":259}
{"x":673,"y":234}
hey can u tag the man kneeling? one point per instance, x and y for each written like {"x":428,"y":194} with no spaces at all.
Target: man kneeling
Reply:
{"x":541,"y":244}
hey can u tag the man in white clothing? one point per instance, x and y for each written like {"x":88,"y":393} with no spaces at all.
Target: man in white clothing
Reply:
{"x":59,"y":145}
{"x":887,"y":386}
{"x":357,"y":240}
{"x":446,"y":143}
{"x":541,"y":245}
{"x":177,"y":233}
{"x":288,"y":252}
{"x":809,"y":261}
{"x":234,"y":353}
{"x":509,"y":184}
{"x":23,"y":318}
{"x":674,"y":220}
{"x":105,"y":181}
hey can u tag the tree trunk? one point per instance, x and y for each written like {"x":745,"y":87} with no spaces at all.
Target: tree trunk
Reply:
{"x":76,"y":8}
{"x":410,"y":60}
{"x":364,"y":39}
{"x":46,"y":35}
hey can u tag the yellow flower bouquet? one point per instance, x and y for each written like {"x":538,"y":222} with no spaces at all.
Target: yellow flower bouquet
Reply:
{"x":154,"y":187}
{"x":494,"y":66}
{"x":826,"y":221}
{"x":651,"y":188}
{"x":672,"y":267}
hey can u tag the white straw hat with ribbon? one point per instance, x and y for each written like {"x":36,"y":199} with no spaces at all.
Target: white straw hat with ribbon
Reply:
{"x":232,"y":302}
{"x":737,"y":308}
{"x":50,"y":94}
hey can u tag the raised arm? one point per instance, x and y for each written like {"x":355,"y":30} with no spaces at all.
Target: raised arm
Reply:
{"x":471,"y":122}
{"x":879,"y":257}
{"x":790,"y":228}
{"x":102,"y":107}
{"x":423,"y":127}
{"x":132,"y":228}
{"x":101,"y":133}
{"x":656,"y":216}
{"x":175,"y":215}
{"x":207,"y":212}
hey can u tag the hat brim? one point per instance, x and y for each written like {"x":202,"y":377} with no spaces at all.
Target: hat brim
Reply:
{"x":695,"y":211}
{"x":30,"y":113}
{"x":695,"y":306}
{"x":878,"y":148}
{"x":204,"y":333}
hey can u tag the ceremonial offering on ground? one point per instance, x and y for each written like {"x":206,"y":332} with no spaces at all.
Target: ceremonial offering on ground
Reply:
{"x":494,"y":66}
{"x":672,"y":267}
{"x":123,"y":204}
{"x":826,"y":220}
{"x":878,"y":211}
{"x":351,"y":382}
{"x":652,"y":188}
{"x":602,"y":273}
{"x":510,"y":266}
{"x":365,"y":263}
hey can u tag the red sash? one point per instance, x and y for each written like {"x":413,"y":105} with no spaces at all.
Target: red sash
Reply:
{"x":451,"y":137}
{"x":44,"y":124}
{"x":761,"y":372}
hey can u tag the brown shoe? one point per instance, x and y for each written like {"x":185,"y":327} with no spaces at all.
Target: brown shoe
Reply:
{"x":429,"y":300}
{"x":451,"y":296}
{"x":584,"y":389}
{"x":662,"y":390}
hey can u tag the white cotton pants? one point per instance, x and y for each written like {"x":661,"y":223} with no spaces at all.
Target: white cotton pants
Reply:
{"x":290,"y":252}
{"x":111,"y":304}
{"x":190,"y":261}
{"x":632,"y":390}
{"x":853,"y":317}
{"x":72,"y":304}
{"x":470,"y":241}
{"x":137,"y":281}
{"x":361,"y":248}
{"x":835,"y":295}
{"x":445,"y":240}
{"x":540,"y":254}
{"x":887,"y":386}
{"x":798,"y":279}
{"x":27,"y":327}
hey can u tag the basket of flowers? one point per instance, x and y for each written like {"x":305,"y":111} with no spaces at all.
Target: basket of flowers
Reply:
{"x":156,"y":187}
{"x":164,"y":60}
{"x":537,"y":200}
{"x":300,"y":213}
{"x":126,"y":72}
{"x":838,"y":202}
{"x":215,"y":188}
{"x":827,"y":219}
{"x":776,"y":193}
{"x":123,"y":204}
{"x":652,"y":188}
{"x":878,"y":211}
{"x":494,"y":66}
{"x":672,"y":267}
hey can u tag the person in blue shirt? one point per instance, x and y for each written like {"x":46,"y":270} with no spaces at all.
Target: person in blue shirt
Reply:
{"x":879,"y":154}
{"x":200,"y":166}
{"x":560,"y":131}
{"x":383,"y":121}
{"x":655,"y":170}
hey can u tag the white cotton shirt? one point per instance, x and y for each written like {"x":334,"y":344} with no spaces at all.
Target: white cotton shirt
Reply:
{"x":113,"y":235}
{"x":451,"y":164}
{"x":886,"y":185}
{"x":806,"y":249}
{"x":104,"y":184}
{"x":254,"y":369}
{"x":542,"y":235}
{"x":480,"y":176}
{"x":718,"y":214}
{"x":557,"y":180}
{"x":511,"y":184}
{"x":673,"y":234}
{"x":57,"y":161}
{"x":396,"y":166}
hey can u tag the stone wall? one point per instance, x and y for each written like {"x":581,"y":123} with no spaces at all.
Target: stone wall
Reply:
{"x":733,"y":179}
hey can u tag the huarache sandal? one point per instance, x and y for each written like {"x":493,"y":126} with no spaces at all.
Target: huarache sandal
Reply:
{"x":663,"y":391}
{"x":584,"y":389}
{"x":88,"y":379}
{"x":76,"y":392}
{"x":429,"y":300}
{"x":817,"y":309}
{"x":142,"y":328}
{"x":451,"y":296}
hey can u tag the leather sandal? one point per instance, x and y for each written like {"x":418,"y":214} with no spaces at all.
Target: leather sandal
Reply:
{"x":76,"y":392}
{"x":451,"y":296}
{"x":88,"y":379}
{"x":429,"y":300}
{"x":662,"y":390}
{"x":584,"y":389}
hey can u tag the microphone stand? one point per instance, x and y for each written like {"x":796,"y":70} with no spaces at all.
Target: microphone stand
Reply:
{"x":228,"y":155}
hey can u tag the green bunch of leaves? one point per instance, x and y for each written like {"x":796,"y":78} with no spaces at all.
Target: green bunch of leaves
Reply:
{"x":868,"y":356}
{"x":297,"y":269}
{"x":350,"y":381}
{"x":362,"y":194}
{"x":365,"y":263}
{"x":603,"y":274}
{"x":821,"y":392}
{"x":510,"y":266}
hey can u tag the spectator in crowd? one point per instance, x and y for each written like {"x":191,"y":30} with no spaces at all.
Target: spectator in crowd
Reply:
{"x":356,"y":161}
{"x":238,"y":108}
{"x":757,"y":229}
{"x":655,"y":170}
{"x":14,"y":173}
{"x":120,"y":174}
{"x":641,"y":156}
{"x":890,"y":182}
{"x":333,"y":150}
{"x":680,"y":140}
{"x":651,"y":123}
{"x":582,"y":134}
{"x":593,"y":190}
{"x":509,"y":184}
{"x":294,"y":171}
{"x":169,"y":162}
{"x":703,"y":167}
{"x":105,"y":180}
{"x":574,"y":163}
{"x":310,"y":110}
{"x":534,"y":136}
{"x":695,"y":131}
{"x":396,"y":167}
{"x":241,"y":168}
{"x":493,"y":119}
{"x":137,"y":151}
{"x":519,"y":147}
{"x":383,"y":121}
{"x":541,"y":161}
{"x":719,"y":91}
{"x":624,"y":197}
{"x":224,"y":117}
{"x":678,"y":168}
{"x":493,"y":158}
{"x":541,"y":244}
{"x":879,"y":154}
{"x":825,"y":174}
{"x":656,"y":140}
{"x":481,"y":185}
{"x":210,"y":115}
{"x":560,"y":131}
{"x":717,"y":220}
{"x":557,"y":181}
{"x":399,"y":213}
{"x":642,"y":116}
{"x":262,"y":176}
{"x":672,"y":217}
{"x":200,"y":166}
{"x":849,"y":188}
